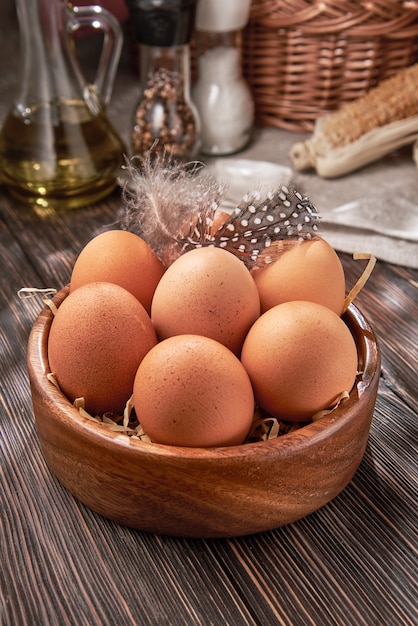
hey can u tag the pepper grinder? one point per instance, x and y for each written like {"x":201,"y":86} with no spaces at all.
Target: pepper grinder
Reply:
{"x":221,"y":94}
{"x":165,"y":121}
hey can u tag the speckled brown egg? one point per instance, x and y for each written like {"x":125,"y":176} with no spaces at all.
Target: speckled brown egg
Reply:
{"x":192,"y":391}
{"x":120,"y":257}
{"x":207,"y":291}
{"x":300,"y":357}
{"x":98,"y":338}
{"x":306,"y":270}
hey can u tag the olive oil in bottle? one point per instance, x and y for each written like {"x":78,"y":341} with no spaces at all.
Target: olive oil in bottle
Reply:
{"x":58,"y":150}
{"x":59,"y":156}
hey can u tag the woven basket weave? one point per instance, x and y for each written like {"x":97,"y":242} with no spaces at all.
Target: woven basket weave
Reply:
{"x":305,"y":58}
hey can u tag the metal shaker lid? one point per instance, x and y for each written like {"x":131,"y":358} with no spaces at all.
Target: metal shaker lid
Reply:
{"x":162,"y":22}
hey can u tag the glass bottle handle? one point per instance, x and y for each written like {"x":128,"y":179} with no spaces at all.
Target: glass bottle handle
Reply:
{"x":100,"y":19}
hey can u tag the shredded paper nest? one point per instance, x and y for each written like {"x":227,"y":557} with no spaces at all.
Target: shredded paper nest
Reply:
{"x":264,"y":426}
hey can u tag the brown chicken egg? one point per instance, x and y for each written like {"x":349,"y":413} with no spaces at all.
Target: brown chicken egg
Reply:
{"x":300,"y":357}
{"x":207,"y":291}
{"x":192,"y":391}
{"x":120,"y":257}
{"x":306,"y":270}
{"x":98,"y":337}
{"x":219,"y":219}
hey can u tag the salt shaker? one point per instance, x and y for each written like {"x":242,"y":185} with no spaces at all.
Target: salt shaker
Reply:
{"x":221,"y":94}
{"x":165,"y":120}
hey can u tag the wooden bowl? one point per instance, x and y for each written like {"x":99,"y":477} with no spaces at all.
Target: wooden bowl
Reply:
{"x":196,"y":492}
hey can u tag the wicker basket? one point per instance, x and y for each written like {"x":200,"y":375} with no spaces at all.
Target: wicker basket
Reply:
{"x":304,"y":58}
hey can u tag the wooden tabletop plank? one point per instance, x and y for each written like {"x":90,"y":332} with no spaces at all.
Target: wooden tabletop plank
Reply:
{"x":389,"y":300}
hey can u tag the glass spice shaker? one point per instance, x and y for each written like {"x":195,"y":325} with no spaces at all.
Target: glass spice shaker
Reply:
{"x":221,"y":94}
{"x":165,"y":121}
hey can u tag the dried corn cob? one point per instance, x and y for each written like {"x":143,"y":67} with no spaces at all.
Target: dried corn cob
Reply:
{"x":364,"y":130}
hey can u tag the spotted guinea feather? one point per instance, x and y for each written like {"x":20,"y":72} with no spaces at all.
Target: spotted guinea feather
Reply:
{"x":258,"y":222}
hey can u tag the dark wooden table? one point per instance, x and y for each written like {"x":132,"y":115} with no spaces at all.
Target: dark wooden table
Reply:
{"x":352,"y":563}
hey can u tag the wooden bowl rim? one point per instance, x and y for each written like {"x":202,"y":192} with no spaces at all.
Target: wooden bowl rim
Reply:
{"x":308,"y":435}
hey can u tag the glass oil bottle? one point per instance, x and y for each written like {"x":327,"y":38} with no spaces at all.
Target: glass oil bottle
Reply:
{"x":58,"y":150}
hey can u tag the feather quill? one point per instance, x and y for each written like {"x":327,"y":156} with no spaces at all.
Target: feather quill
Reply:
{"x":165,"y":199}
